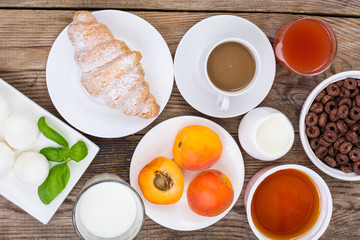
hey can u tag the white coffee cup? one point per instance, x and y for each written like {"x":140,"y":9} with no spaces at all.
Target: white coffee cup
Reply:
{"x":223,"y":99}
{"x":253,"y":133}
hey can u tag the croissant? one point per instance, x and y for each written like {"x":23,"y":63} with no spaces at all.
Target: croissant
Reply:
{"x":109,"y":69}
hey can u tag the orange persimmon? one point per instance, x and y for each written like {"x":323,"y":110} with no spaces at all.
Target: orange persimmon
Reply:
{"x":161,"y":181}
{"x":197,"y":148}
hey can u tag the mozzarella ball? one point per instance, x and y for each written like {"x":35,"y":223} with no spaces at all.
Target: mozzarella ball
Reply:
{"x":20,"y":131}
{"x":7,"y":157}
{"x":4,"y":109}
{"x":31,"y":168}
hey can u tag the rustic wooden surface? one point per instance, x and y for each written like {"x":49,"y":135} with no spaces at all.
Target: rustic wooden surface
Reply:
{"x":29,"y":28}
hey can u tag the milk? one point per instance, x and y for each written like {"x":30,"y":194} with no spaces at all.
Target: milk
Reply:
{"x":266,"y":133}
{"x":274,"y":134}
{"x":107,"y":209}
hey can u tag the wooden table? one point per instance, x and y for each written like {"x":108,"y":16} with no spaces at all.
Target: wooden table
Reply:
{"x":29,"y":28}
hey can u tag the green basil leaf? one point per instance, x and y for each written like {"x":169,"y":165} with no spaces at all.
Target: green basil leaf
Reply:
{"x":55,"y":154}
{"x":51,"y":133}
{"x":55,"y":183}
{"x":78,"y":151}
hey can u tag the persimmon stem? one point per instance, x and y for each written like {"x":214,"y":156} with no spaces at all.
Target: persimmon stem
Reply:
{"x":163,"y":181}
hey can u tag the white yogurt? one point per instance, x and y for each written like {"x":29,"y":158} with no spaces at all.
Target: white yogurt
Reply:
{"x":107,"y":209}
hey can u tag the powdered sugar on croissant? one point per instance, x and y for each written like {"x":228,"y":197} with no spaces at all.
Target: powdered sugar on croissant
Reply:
{"x":109,"y":68}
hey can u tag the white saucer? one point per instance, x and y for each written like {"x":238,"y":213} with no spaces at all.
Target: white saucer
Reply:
{"x":190,"y":55}
{"x":94,"y":117}
{"x":159,"y":142}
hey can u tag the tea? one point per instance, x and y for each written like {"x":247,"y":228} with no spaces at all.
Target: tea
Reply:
{"x":231,"y":66}
{"x":306,"y":46}
{"x":285,"y":205}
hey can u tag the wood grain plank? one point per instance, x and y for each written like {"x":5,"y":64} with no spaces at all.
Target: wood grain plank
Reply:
{"x":322,"y":7}
{"x":26,"y":37}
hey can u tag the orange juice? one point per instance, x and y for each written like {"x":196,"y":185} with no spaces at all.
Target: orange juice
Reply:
{"x":306,"y":46}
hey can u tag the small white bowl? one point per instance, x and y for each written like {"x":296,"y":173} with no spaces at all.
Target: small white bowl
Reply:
{"x":249,"y":126}
{"x":334,"y":172}
{"x":326,"y":200}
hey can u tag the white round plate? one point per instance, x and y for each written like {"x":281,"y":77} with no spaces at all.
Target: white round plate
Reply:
{"x":334,"y":172}
{"x":90,"y":115}
{"x":190,"y":56}
{"x":159,"y":142}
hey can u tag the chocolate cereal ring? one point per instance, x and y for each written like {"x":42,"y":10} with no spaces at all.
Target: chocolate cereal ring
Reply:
{"x":352,"y":137}
{"x":314,"y":143}
{"x":353,"y":102}
{"x":354,"y":92}
{"x":345,"y":93}
{"x":343,"y":111}
{"x":340,"y":83}
{"x":311,"y":119}
{"x":355,"y":113}
{"x":320,"y":96}
{"x":350,"y":121}
{"x":345,"y":147}
{"x":330,"y":161}
{"x":354,"y":154}
{"x":333,"y":115}
{"x":323,"y":142}
{"x":350,"y":83}
{"x":341,"y":159}
{"x":355,"y":127}
{"x":330,"y":105}
{"x":341,"y":126}
{"x":323,"y":119}
{"x":327,"y":98}
{"x":333,"y":90}
{"x":332,"y":152}
{"x":331,"y":127}
{"x":317,"y":107}
{"x":338,"y":142}
{"x":321,"y":152}
{"x":356,"y":167}
{"x":330,"y":136}
{"x":357,"y":100}
{"x":312,"y":132}
{"x":346,"y":168}
{"x":345,"y":101}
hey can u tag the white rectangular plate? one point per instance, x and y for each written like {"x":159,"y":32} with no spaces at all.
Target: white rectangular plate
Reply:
{"x":25,"y":196}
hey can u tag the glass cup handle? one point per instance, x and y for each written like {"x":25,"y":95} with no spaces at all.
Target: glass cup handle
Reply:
{"x":223,"y":102}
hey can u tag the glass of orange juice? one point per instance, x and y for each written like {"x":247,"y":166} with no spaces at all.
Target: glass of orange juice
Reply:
{"x":306,"y":46}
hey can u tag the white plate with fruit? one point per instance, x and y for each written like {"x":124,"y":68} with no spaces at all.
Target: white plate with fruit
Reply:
{"x":165,"y":182}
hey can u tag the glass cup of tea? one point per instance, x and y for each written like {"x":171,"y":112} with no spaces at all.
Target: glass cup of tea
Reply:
{"x":232,"y":67}
{"x":266,"y":133}
{"x":288,"y":201}
{"x":305,"y":46}
{"x":108,"y":208}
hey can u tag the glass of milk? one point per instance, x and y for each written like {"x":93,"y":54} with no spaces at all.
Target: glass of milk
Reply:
{"x":266,"y":134}
{"x":108,"y":208}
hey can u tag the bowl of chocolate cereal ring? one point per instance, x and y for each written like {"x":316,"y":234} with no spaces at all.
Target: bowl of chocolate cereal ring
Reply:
{"x":329,"y":126}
